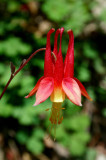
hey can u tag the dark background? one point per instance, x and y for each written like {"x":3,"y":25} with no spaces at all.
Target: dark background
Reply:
{"x":23,"y":129}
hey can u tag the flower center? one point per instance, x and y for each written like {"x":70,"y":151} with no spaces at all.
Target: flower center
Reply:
{"x":57,"y":95}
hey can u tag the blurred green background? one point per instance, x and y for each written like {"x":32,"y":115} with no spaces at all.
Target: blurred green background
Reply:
{"x":23,"y":129}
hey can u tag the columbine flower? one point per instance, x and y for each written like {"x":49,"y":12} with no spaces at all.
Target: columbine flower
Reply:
{"x":58,"y":81}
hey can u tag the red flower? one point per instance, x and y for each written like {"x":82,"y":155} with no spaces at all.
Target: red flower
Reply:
{"x":58,"y":80}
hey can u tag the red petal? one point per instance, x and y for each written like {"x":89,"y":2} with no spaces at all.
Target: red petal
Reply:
{"x":58,"y":71}
{"x":45,"y":89}
{"x":72,"y":90}
{"x":48,"y":66}
{"x":61,"y":32}
{"x":69,"y":60}
{"x":33,"y":91}
{"x":83,"y":90}
{"x":55,"y":50}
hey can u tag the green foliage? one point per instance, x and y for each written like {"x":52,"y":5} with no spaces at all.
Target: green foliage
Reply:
{"x":25,"y":115}
{"x":34,"y":143}
{"x":5,"y":26}
{"x":56,"y":10}
{"x":91,"y":92}
{"x":18,"y":32}
{"x":39,"y":63}
{"x":78,"y":16}
{"x":78,"y":140}
{"x":22,"y":137}
{"x":84,"y":73}
{"x":27,"y":83}
{"x":13,"y":6}
{"x":75,"y":132}
{"x":98,"y":65}
{"x":77,"y":123}
{"x":14,"y":46}
{"x":71,"y":13}
{"x":5,"y":109}
{"x":2,"y":69}
{"x":89,"y":52}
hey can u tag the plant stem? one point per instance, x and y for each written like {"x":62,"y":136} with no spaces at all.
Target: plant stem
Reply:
{"x":15,"y":73}
{"x":11,"y":77}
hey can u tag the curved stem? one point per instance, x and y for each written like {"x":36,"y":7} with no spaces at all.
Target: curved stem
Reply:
{"x":41,"y":49}
{"x":15,"y":73}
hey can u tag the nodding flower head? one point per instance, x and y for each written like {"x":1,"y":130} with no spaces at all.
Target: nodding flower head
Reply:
{"x":58,"y":80}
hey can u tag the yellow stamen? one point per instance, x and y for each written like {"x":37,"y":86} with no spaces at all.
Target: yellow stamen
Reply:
{"x":56,"y":116}
{"x":47,"y":109}
{"x":56,"y":113}
{"x":54,"y":56}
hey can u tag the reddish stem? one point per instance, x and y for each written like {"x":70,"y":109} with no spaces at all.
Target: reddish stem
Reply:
{"x":13,"y":75}
{"x":6,"y":86}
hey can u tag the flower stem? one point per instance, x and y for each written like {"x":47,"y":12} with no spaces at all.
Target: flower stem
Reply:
{"x":19,"y":69}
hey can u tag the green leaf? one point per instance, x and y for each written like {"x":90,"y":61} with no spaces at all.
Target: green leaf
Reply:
{"x":91,"y":92}
{"x":38,"y":63}
{"x":26,"y":115}
{"x":56,"y":10}
{"x":60,"y":132}
{"x":6,"y":75}
{"x":22,"y":137}
{"x":76,"y":148}
{"x":98,"y":65}
{"x":78,"y":122}
{"x":2,"y":68}
{"x":27,"y":84}
{"x":14,"y":46}
{"x":38,"y":133}
{"x":8,"y":26}
{"x":35,"y":145}
{"x":89,"y":52}
{"x":13,"y":6}
{"x":77,"y":145}
{"x":61,"y":135}
{"x":6,"y":110}
{"x":71,"y":108}
{"x":78,"y":16}
{"x":84,"y":74}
